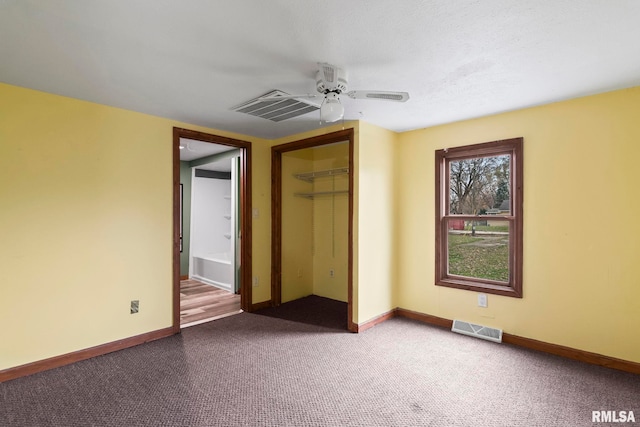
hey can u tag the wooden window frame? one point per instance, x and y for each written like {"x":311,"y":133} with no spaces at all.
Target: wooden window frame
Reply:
{"x":513,"y":148}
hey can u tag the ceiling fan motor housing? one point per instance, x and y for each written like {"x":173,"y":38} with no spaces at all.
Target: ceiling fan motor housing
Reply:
{"x":331,"y":79}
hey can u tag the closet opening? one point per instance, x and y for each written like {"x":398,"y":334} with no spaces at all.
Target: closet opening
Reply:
{"x":212,"y":233}
{"x":312,"y":238}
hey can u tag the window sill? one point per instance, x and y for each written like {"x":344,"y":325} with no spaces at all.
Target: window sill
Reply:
{"x":488,"y":288}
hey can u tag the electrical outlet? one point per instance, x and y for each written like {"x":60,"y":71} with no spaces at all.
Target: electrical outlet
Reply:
{"x":299,"y":272}
{"x":135,"y":306}
{"x":482,"y":300}
{"x":331,"y":273}
{"x":256,"y":281}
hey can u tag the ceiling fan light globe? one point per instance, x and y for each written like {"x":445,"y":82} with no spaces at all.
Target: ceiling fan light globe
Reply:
{"x":331,"y":111}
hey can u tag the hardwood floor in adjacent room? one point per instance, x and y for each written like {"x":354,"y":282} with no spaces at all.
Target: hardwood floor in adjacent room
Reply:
{"x":201,"y":303}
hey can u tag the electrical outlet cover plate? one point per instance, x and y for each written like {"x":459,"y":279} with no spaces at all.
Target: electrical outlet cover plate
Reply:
{"x":482,"y":300}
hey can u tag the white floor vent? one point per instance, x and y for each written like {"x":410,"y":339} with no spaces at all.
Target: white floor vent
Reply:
{"x":478,"y":331}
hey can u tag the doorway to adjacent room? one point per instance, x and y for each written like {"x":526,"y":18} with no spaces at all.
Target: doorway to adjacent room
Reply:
{"x":212,"y":228}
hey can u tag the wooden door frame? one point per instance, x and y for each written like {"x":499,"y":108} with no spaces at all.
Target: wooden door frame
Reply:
{"x":276,"y":213}
{"x":245,"y":215}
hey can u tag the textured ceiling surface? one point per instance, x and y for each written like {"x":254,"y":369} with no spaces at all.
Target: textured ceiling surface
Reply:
{"x":193,"y":60}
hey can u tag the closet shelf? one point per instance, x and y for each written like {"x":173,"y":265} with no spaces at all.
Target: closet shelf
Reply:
{"x":320,"y":193}
{"x":310,"y":176}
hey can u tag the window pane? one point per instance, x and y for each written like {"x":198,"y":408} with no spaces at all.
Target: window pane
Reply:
{"x":479,"y":186}
{"x":478,"y":249}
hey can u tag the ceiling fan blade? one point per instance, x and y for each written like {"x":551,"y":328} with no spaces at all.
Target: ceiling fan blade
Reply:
{"x":280,"y":98}
{"x":376,"y":94}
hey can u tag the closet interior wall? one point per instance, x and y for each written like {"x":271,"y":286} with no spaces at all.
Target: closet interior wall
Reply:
{"x":315,"y":207}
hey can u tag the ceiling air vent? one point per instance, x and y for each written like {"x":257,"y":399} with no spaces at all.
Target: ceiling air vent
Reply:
{"x":276,"y":110}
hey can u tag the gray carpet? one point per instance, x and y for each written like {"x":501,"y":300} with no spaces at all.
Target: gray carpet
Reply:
{"x":252,"y":370}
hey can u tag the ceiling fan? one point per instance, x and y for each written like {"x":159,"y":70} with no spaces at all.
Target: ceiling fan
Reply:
{"x":331,"y":83}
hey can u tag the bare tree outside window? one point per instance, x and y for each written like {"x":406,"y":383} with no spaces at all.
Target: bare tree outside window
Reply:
{"x":479,"y":225}
{"x":478,"y":185}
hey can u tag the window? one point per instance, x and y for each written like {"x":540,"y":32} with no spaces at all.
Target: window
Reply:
{"x":479,"y":217}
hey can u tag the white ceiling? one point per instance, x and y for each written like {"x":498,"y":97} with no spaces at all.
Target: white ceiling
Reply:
{"x":193,"y":60}
{"x":198,"y":149}
{"x":193,"y":150}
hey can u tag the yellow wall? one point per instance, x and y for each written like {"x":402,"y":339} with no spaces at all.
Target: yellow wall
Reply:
{"x":376,"y":217}
{"x":297,"y":227}
{"x":87,"y":205}
{"x":261,"y":225}
{"x":86,"y":223}
{"x":331,"y":225}
{"x":581,"y":232}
